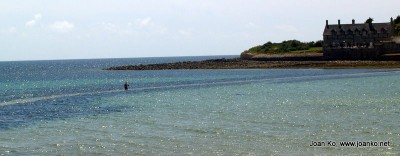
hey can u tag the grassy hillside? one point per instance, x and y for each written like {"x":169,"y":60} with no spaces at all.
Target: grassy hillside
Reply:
{"x":285,"y":47}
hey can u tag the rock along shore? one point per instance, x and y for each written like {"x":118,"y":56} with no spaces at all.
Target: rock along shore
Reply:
{"x":237,"y":63}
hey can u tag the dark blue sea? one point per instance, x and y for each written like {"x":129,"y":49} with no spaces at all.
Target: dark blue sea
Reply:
{"x":73,"y":107}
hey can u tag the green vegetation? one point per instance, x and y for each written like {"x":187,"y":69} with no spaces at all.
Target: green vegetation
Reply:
{"x":287,"y":46}
{"x":396,"y":23}
{"x":369,"y":20}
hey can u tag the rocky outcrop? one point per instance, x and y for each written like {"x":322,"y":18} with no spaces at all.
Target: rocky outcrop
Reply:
{"x":252,"y":64}
{"x":207,"y":64}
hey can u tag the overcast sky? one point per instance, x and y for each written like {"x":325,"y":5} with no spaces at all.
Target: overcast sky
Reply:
{"x":75,"y":29}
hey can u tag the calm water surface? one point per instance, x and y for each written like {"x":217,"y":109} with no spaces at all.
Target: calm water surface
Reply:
{"x":72,"y":107}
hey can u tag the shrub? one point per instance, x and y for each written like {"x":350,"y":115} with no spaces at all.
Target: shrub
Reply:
{"x":285,"y":46}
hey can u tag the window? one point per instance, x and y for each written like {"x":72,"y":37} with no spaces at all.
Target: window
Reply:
{"x":333,"y":31}
{"x":349,"y":32}
{"x":357,"y":32}
{"x":342,"y":32}
{"x":364,"y":32}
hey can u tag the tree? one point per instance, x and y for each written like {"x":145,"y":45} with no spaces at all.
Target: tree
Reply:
{"x":369,"y":20}
{"x":396,"y":23}
{"x":397,"y":29}
{"x":397,"y":20}
{"x":319,"y":43}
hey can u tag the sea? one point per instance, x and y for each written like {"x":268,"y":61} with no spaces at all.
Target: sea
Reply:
{"x":74,"y":107}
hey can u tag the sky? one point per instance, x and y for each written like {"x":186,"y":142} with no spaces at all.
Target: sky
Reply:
{"x":82,"y":29}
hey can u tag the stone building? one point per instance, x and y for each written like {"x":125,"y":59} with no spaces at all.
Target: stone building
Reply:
{"x":358,"y":40}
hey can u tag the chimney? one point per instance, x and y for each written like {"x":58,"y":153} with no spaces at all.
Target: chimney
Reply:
{"x":327,"y":24}
{"x":353,"y":21}
{"x":391,"y":20}
{"x":340,"y":26}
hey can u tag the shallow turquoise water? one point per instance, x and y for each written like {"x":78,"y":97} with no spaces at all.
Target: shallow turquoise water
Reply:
{"x":48,"y":109}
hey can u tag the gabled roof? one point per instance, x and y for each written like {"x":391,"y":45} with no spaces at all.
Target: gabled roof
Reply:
{"x":378,"y":27}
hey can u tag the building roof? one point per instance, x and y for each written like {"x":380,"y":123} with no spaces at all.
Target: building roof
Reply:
{"x":350,"y":28}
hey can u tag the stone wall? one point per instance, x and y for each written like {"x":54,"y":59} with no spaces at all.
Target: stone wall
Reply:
{"x":389,"y":48}
{"x":352,"y":53}
{"x":361,"y":53}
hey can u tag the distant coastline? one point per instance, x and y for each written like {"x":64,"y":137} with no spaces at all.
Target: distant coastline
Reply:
{"x":271,"y":62}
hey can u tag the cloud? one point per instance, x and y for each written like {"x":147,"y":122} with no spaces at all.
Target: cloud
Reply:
{"x":111,"y":27}
{"x":116,"y":28}
{"x":62,"y":26}
{"x":251,"y":25}
{"x":286,"y":28}
{"x":38,"y":16}
{"x":31,"y":23}
{"x":11,"y":30}
{"x":184,"y":32}
{"x":147,"y":22}
{"x":34,"y":21}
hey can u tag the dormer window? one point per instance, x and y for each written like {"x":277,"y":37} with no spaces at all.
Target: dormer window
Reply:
{"x":333,"y":31}
{"x":342,"y":32}
{"x":383,"y":31}
{"x":357,"y":32}
{"x":349,"y":32}
{"x":364,"y":32}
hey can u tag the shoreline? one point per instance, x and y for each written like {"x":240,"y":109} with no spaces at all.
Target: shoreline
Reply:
{"x":274,"y":63}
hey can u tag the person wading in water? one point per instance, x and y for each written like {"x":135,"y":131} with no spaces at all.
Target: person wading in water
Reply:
{"x":126,"y":85}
